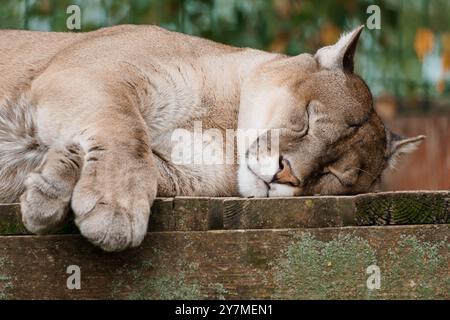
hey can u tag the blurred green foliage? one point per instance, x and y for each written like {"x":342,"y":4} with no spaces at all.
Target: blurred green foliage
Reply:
{"x":388,"y":59}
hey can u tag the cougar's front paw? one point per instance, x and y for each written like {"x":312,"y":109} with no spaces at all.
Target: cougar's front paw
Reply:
{"x":45,"y":202}
{"x":113,"y":227}
{"x":41,"y":213}
{"x":112,"y":208}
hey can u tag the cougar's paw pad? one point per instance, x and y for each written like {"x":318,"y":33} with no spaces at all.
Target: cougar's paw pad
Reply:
{"x":113,"y":228}
{"x":42,"y":213}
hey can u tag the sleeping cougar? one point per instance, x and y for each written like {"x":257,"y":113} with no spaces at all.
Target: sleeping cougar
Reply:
{"x":86,"y":121}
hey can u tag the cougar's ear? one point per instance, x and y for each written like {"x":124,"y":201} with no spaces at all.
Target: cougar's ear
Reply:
{"x":398,"y":145}
{"x":340,"y":55}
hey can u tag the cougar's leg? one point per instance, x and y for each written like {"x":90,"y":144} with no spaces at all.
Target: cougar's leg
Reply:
{"x":117,"y":186}
{"x":98,"y":109}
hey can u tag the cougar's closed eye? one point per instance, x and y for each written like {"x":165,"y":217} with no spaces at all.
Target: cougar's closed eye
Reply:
{"x":300,"y":127}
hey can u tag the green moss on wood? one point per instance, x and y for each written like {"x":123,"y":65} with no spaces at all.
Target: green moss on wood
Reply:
{"x":11,"y":227}
{"x":150,"y":281}
{"x":309,"y":203}
{"x":314,"y":269}
{"x":6,"y":280}
{"x":256,"y":259}
{"x":167,"y":288}
{"x":336,"y":269}
{"x":418,"y":267}
{"x":220,"y":292}
{"x":406,"y":208}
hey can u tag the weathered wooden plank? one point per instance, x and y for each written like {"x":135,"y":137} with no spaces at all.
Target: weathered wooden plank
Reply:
{"x":309,"y":212}
{"x":386,"y":208}
{"x":202,"y":213}
{"x":10,"y":220}
{"x":403,"y":208}
{"x":191,"y":213}
{"x":162,"y":216}
{"x":320,"y":263}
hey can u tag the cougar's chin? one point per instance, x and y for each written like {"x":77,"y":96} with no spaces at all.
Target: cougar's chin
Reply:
{"x":252,"y":186}
{"x":282,"y":190}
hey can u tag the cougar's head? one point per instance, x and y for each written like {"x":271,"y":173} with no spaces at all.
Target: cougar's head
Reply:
{"x":324,"y":136}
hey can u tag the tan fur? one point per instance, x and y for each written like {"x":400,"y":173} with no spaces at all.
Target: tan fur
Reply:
{"x":103,"y":106}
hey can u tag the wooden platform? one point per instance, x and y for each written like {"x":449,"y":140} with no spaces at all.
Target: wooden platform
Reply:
{"x":233,"y":248}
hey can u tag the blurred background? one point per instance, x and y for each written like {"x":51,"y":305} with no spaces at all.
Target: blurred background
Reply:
{"x":406,"y":63}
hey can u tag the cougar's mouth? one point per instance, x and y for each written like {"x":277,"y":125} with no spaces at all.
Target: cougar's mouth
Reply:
{"x":275,"y":188}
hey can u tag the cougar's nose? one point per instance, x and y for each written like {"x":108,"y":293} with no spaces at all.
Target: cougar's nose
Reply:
{"x":284,"y":174}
